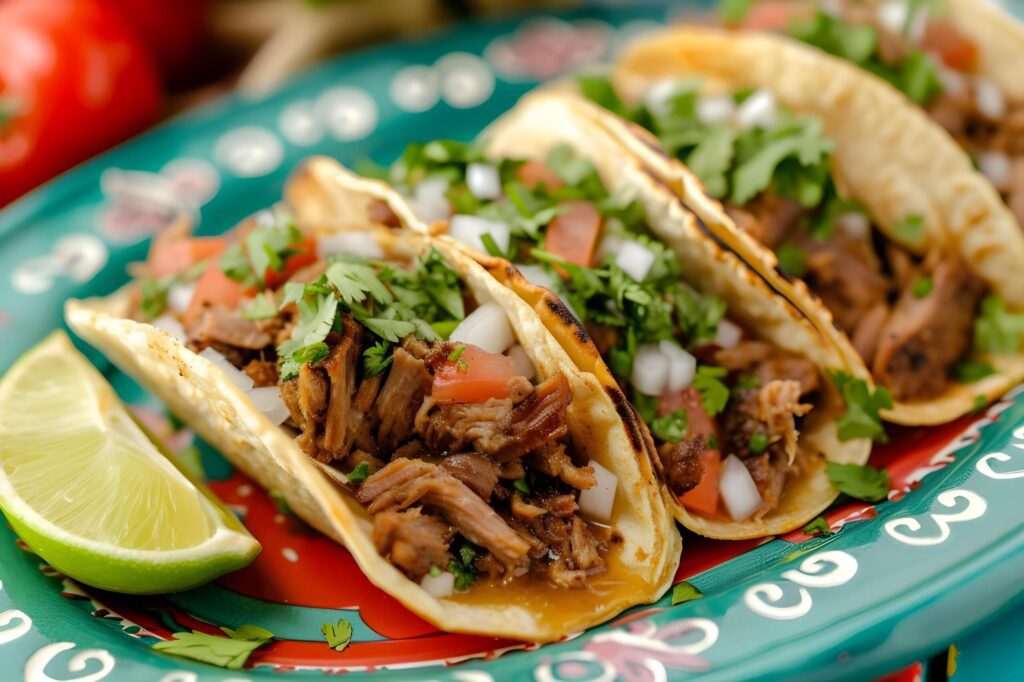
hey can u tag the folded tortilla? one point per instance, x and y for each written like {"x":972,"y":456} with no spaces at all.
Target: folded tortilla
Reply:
{"x":888,"y":155}
{"x":327,"y":199}
{"x":545,"y":120}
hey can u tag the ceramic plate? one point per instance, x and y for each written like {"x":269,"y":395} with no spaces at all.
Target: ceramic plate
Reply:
{"x":899,"y":580}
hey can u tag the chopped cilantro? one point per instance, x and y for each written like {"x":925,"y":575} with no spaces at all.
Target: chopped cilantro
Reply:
{"x":922,"y":286}
{"x":748,"y":381}
{"x":435,"y":572}
{"x":910,"y":229}
{"x":713,"y":393}
{"x":338,"y":635}
{"x":229,"y":652}
{"x":153,"y":293}
{"x":792,"y":260}
{"x":758,"y":443}
{"x":262,"y":307}
{"x":492,"y":246}
{"x":360,"y":473}
{"x":862,"y":407}
{"x":671,"y":427}
{"x":377,"y":358}
{"x":599,"y":90}
{"x":797,"y":150}
{"x":521,"y":485}
{"x":234,"y":263}
{"x":684,"y":592}
{"x":462,"y":567}
{"x":457,"y":352}
{"x":980,"y":402}
{"x":860,"y":482}
{"x":997,"y":330}
{"x":818,"y":527}
{"x":281,"y":502}
{"x":712,"y":443}
{"x":969,"y":371}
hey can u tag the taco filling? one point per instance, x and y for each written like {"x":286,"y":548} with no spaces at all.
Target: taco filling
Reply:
{"x":725,"y":409}
{"x":931,"y":61}
{"x":919,"y":322}
{"x":416,"y":397}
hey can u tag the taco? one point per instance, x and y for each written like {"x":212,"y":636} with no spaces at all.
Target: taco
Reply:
{"x":845,"y":199}
{"x":959,"y":60}
{"x":732,"y":382}
{"x":403,"y":402}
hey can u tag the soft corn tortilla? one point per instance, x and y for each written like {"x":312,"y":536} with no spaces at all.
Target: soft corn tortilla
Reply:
{"x":545,"y":120}
{"x":889,"y":155}
{"x":640,"y":568}
{"x":999,"y":38}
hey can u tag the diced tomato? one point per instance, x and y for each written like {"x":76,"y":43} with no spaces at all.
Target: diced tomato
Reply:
{"x":474,"y":377}
{"x":305,"y":254}
{"x":573,"y":235}
{"x":775,"y":15}
{"x":173,"y":257}
{"x":533,"y":173}
{"x":704,"y":497}
{"x":215,"y":288}
{"x":952,"y":46}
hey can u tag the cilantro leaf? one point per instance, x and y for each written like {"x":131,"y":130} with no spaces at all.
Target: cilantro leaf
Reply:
{"x":521,"y":485}
{"x":862,"y":418}
{"x":268,"y":246}
{"x":360,"y":473}
{"x":338,"y":635}
{"x":818,"y":527}
{"x":758,"y":443}
{"x":684,"y":592}
{"x":910,"y":229}
{"x":153,"y":293}
{"x":377,"y":358}
{"x":229,"y":652}
{"x":860,"y":482}
{"x":792,"y":260}
{"x":462,"y":567}
{"x":599,"y":90}
{"x":979,"y":403}
{"x":997,"y":330}
{"x":262,"y":307}
{"x":802,"y":142}
{"x":713,"y":393}
{"x":921,"y":287}
{"x":712,"y":158}
{"x":969,"y":371}
{"x":355,"y":280}
{"x":671,"y":427}
{"x":235,"y":265}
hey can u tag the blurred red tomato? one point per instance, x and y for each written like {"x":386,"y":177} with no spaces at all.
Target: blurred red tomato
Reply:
{"x":171,"y":29}
{"x":73,"y":81}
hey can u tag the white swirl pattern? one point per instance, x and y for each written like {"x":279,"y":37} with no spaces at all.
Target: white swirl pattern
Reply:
{"x":763,"y":598}
{"x":35,"y":669}
{"x":76,"y":256}
{"x":24,"y":624}
{"x":976,"y":506}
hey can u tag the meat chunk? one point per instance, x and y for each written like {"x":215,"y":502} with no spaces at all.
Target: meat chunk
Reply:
{"x":408,"y":383}
{"x":769,"y":411}
{"x":341,"y":367}
{"x":924,"y":336}
{"x":683,"y":466}
{"x":499,"y":429}
{"x":412,"y":541}
{"x":305,"y":396}
{"x":362,"y":421}
{"x":476,"y":472}
{"x":574,"y":552}
{"x":262,"y":372}
{"x":769,"y":363}
{"x":403,"y":483}
{"x":769,"y":471}
{"x":218,"y":325}
{"x":768,"y":218}
{"x":553,"y":460}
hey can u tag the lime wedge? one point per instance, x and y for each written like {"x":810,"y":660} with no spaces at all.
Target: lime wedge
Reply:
{"x":84,"y":486}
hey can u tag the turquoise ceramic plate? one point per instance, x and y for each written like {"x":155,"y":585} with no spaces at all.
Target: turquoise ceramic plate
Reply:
{"x":898,"y":581}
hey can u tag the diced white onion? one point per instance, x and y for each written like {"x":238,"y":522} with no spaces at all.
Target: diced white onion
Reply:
{"x":429,"y":200}
{"x":267,"y":400}
{"x":487,"y":327}
{"x":523,"y":363}
{"x":894,"y":14}
{"x":356,"y":243}
{"x":597,"y":502}
{"x":483,"y":181}
{"x":610,"y":245}
{"x":737,"y":488}
{"x":728,"y":334}
{"x":537,"y":275}
{"x":237,"y":376}
{"x":758,"y":110}
{"x":953,"y":82}
{"x":989,"y":98}
{"x":469,"y":229}
{"x":715,"y":108}
{"x":681,"y":366}
{"x":171,"y":325}
{"x":439,"y":586}
{"x":180,"y":295}
{"x":650,"y":370}
{"x":854,"y":223}
{"x":635,"y":259}
{"x":660,"y":94}
{"x":996,"y":167}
